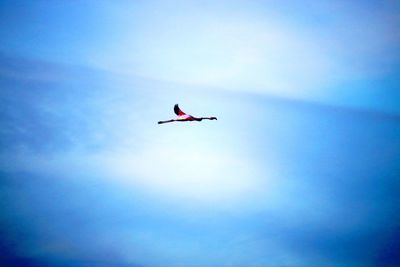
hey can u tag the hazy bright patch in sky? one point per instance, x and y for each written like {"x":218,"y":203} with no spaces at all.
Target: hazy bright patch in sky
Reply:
{"x":300,"y":169}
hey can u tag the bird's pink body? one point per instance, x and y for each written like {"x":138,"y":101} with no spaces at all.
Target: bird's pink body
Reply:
{"x":184,"y":118}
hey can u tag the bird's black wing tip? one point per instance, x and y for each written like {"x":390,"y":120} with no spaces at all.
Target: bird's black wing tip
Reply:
{"x":176,"y":109}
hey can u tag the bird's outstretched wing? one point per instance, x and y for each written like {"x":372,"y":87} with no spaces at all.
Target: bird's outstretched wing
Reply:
{"x":178,"y":111}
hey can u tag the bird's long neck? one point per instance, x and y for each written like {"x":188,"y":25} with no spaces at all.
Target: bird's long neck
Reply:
{"x":161,"y":122}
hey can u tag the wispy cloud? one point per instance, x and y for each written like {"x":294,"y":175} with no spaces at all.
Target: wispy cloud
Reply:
{"x":314,"y":51}
{"x":259,"y":47}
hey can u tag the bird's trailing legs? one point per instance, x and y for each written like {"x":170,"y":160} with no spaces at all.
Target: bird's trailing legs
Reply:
{"x":204,"y":118}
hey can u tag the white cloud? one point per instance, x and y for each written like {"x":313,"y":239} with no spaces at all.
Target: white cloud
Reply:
{"x":191,"y":172}
{"x":188,"y":172}
{"x":308,"y":51}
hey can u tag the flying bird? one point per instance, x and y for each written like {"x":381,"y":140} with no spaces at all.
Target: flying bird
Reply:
{"x":182,"y":116}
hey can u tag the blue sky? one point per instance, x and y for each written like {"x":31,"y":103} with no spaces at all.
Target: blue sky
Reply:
{"x":301,"y":168}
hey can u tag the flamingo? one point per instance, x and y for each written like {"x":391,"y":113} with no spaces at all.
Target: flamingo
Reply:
{"x":182,"y":116}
